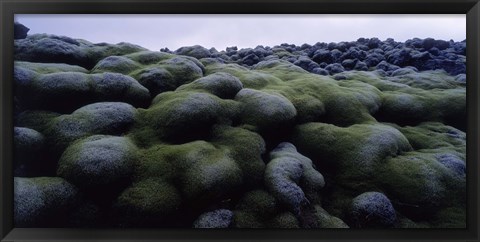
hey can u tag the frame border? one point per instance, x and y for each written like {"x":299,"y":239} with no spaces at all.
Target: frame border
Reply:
{"x":10,"y":7}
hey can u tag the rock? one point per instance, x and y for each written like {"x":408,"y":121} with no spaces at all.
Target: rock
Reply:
{"x":334,"y":68}
{"x":372,"y":210}
{"x":112,"y":118}
{"x":221,"y":218}
{"x":98,"y":161}
{"x":265,"y":110}
{"x":187,"y":115}
{"x":284,"y":173}
{"x":220,"y":84}
{"x":117,"y":64}
{"x":42,"y":201}
{"x":29,"y":145}
{"x":157,"y":80}
{"x":453,"y":162}
{"x":184,"y":69}
{"x":66,"y":91}
{"x":20,"y":31}
{"x":324,"y":220}
{"x":148,"y":201}
{"x":195,"y":51}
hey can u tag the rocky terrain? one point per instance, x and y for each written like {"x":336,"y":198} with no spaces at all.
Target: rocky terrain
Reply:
{"x":361,"y":134}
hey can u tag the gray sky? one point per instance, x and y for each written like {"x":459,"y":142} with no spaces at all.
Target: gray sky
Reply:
{"x":220,"y":31}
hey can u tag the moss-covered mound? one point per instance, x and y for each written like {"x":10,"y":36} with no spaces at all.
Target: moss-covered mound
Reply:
{"x":364,"y":134}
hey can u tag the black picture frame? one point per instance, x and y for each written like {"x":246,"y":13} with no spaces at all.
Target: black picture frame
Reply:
{"x":10,"y":7}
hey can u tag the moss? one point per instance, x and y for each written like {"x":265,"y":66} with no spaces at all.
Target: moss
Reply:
{"x":289,"y":175}
{"x":99,"y":118}
{"x":150,"y":197}
{"x":37,"y":120}
{"x":149,"y":57}
{"x":184,"y":69}
{"x":353,"y":153}
{"x":42,"y":201}
{"x":434,"y":135}
{"x":98,"y":160}
{"x":258,"y":202}
{"x":249,"y":79}
{"x":451,"y":217}
{"x":434,"y":186}
{"x":246,"y":148}
{"x":284,"y":220}
{"x":186,"y":115}
{"x":117,"y":64}
{"x":47,"y":68}
{"x":324,"y":220}
{"x":265,"y":110}
{"x":220,"y":84}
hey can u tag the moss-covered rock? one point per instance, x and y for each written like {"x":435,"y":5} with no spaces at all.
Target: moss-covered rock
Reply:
{"x":322,"y":219}
{"x":117,"y":64}
{"x":67,"y":91}
{"x":186,"y":115}
{"x":147,"y":202}
{"x":372,"y":210}
{"x":196,"y":51}
{"x":111,"y":118}
{"x":42,"y":201}
{"x":220,"y":84}
{"x":354,"y":152}
{"x":265,"y":110}
{"x":435,"y":185}
{"x":28,"y":144}
{"x":98,"y":160}
{"x":288,"y":174}
{"x":221,"y":218}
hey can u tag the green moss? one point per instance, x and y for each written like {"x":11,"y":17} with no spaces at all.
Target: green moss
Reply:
{"x":353,"y":152}
{"x":37,"y":120}
{"x":117,"y":64}
{"x":284,"y":220}
{"x":324,"y":220}
{"x":433,"y":187}
{"x":265,"y":110}
{"x":149,"y":57}
{"x":220,"y":84}
{"x":434,"y":135}
{"x":186,"y":114}
{"x":150,"y":198}
{"x":47,"y":68}
{"x":98,"y":160}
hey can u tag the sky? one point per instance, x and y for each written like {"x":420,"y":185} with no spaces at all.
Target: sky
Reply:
{"x":220,"y":31}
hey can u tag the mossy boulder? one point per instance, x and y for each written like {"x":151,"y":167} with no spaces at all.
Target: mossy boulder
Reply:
{"x":66,"y":91}
{"x":98,"y":161}
{"x":60,"y":49}
{"x":147,"y":203}
{"x":220,"y":84}
{"x":322,"y":219}
{"x":435,"y":185}
{"x":265,"y":110}
{"x":186,"y":115}
{"x":288,"y":174}
{"x":353,"y":153}
{"x":220,"y":218}
{"x":117,"y":64}
{"x":47,"y":68}
{"x":111,"y":118}
{"x":372,"y":210}
{"x":195,"y":51}
{"x":28,"y":143}
{"x":42,"y":201}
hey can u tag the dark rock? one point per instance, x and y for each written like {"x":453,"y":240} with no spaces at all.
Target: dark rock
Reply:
{"x":20,"y":31}
{"x":372,"y":210}
{"x":334,"y":68}
{"x":221,"y":218}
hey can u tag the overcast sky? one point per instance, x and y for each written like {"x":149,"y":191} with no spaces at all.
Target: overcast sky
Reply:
{"x":220,"y":31}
